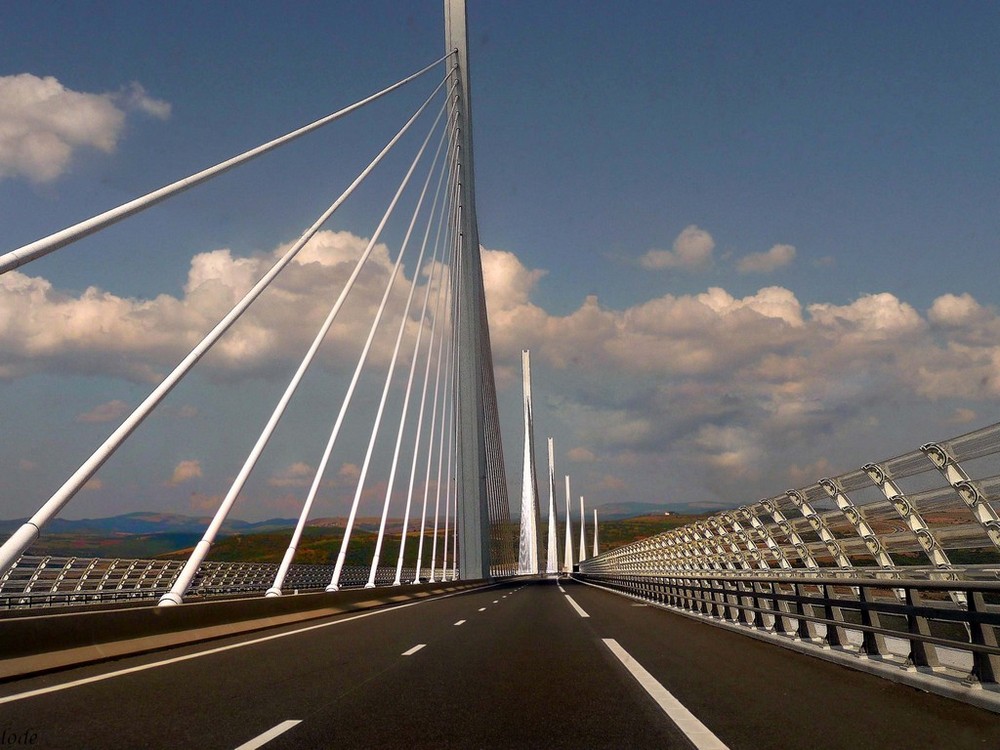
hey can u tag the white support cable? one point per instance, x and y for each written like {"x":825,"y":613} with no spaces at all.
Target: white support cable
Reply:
{"x":413,"y":360}
{"x":430,"y":434}
{"x":454,"y":538}
{"x":447,"y":502}
{"x":423,"y":393}
{"x":445,"y":402}
{"x":342,"y":555}
{"x":453,"y":237}
{"x":187,"y":574}
{"x":20,"y":540}
{"x":448,"y":410}
{"x":452,"y":438}
{"x":452,"y":429}
{"x":275,"y":589}
{"x":328,"y":450}
{"x":397,"y":581}
{"x":57,"y":240}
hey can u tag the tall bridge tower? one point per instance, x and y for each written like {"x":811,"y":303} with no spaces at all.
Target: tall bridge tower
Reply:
{"x":480,"y":482}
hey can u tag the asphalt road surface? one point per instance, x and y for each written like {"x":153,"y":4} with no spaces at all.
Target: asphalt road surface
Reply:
{"x":534,"y":665}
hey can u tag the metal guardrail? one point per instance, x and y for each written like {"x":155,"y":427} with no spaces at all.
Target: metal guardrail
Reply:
{"x":36,"y":581}
{"x":828,"y":610}
{"x":904,"y":548}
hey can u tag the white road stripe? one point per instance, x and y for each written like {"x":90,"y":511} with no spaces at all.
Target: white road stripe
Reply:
{"x":414,"y":650}
{"x":561,"y":588}
{"x":482,"y":609}
{"x":207,"y":652}
{"x":577,"y":607}
{"x":700,"y":735}
{"x":460,"y":622}
{"x":262,"y":739}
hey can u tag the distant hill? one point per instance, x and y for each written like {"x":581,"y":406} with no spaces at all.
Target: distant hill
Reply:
{"x":149,"y":523}
{"x":612,"y":511}
{"x":145,"y":534}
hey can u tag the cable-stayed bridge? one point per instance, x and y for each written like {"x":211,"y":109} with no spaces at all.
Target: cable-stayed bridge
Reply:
{"x":465,"y":637}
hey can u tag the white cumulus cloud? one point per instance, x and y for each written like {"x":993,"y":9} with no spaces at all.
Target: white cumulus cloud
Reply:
{"x":107,"y":412}
{"x":692,"y":250}
{"x":42,"y":123}
{"x":96,"y":332}
{"x":185,"y":471}
{"x":777,"y":257}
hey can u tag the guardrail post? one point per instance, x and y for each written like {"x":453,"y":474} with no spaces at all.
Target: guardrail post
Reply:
{"x":922,"y":654}
{"x":782,"y":621}
{"x":873,"y":643}
{"x":985,"y":667}
{"x":759,"y":618}
{"x":806,"y":629}
{"x":835,"y":635}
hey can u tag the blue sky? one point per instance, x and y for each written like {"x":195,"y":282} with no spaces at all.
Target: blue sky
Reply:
{"x":748,"y":244}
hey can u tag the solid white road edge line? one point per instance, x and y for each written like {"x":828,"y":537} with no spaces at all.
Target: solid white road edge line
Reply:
{"x":262,"y":739}
{"x":217,"y":650}
{"x":412,"y":651}
{"x":700,"y":735}
{"x":577,"y":607}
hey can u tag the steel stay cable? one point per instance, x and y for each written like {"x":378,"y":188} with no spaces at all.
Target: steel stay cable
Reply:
{"x":413,"y":363}
{"x":434,"y":415}
{"x":275,"y":589}
{"x":445,"y":396}
{"x":452,"y":425}
{"x":431,"y":340}
{"x":201,"y":549}
{"x":283,"y":568}
{"x":342,"y":555}
{"x":57,"y":240}
{"x":21,"y":539}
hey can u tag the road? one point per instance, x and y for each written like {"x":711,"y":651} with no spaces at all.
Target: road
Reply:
{"x":512,"y":666}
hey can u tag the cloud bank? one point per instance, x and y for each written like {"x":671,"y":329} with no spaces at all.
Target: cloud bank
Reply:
{"x":723,"y":385}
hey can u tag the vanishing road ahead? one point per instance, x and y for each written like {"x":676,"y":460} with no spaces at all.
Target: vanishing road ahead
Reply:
{"x":534,"y":665}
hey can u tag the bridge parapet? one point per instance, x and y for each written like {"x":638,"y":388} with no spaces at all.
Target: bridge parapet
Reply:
{"x":43,"y":581}
{"x":898,"y":561}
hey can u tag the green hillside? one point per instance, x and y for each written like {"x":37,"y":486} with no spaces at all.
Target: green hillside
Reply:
{"x":319,"y":544}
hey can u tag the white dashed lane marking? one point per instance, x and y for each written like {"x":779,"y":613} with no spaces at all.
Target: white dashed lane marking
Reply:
{"x":700,"y":735}
{"x":577,"y":607}
{"x":262,"y":739}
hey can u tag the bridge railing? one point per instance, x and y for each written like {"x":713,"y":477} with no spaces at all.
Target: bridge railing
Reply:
{"x":934,"y":505}
{"x":897,"y":617}
{"x":898,"y":560}
{"x":45,"y":581}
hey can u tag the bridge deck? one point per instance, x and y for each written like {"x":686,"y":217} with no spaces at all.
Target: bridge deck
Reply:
{"x":525,"y":669}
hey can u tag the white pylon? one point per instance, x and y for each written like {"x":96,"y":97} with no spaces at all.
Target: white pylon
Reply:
{"x":552,"y":556}
{"x":583,"y":532}
{"x":596,"y":553}
{"x":568,"y":557}
{"x":527,"y":558}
